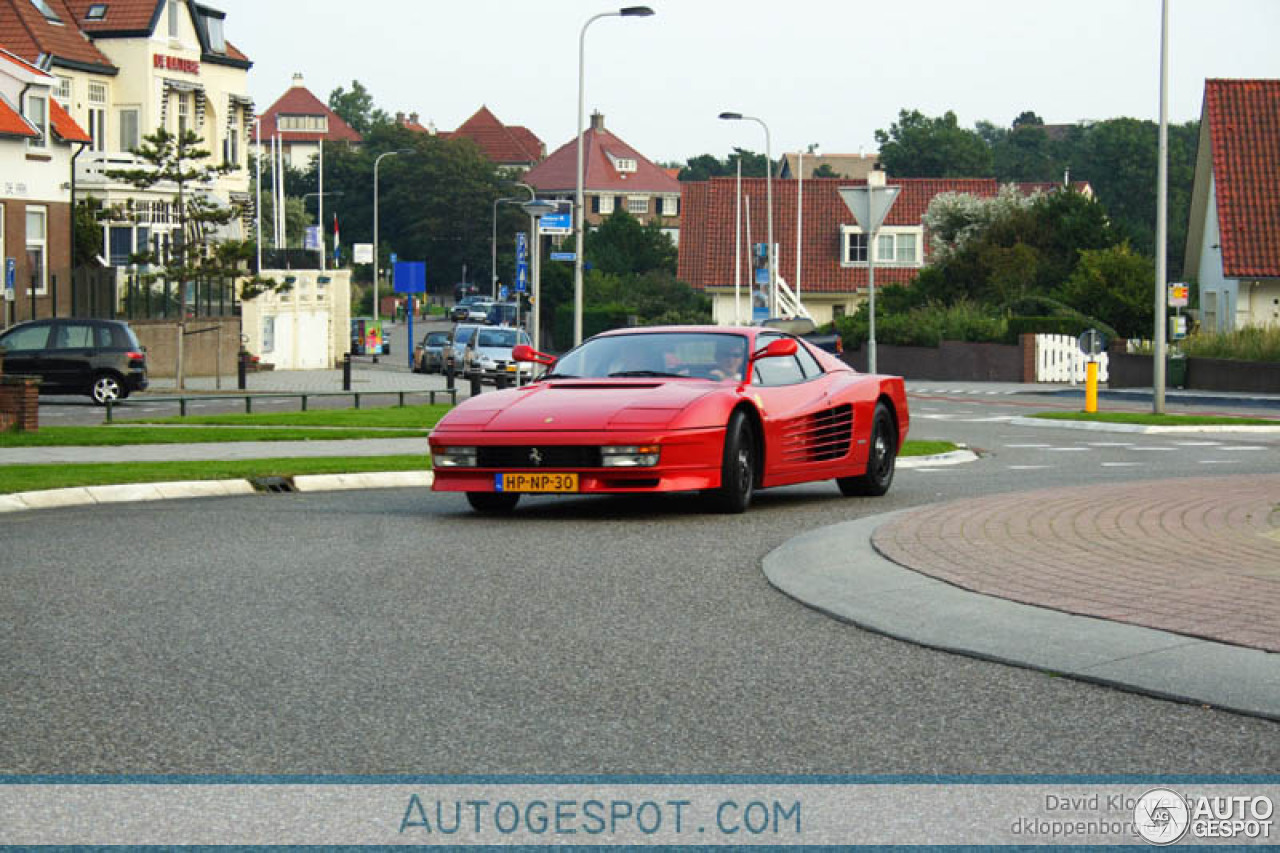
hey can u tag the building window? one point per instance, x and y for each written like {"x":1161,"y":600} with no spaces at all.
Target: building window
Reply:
{"x":317,"y":124}
{"x":184,"y":112}
{"x":231,"y":145}
{"x":855,"y":247}
{"x":37,"y":113}
{"x":670,"y":206}
{"x":97,"y":12}
{"x":44,"y":9}
{"x":638,"y":205}
{"x":37,"y":247}
{"x":213,"y":26}
{"x":606,"y":204}
{"x":128,"y":118}
{"x":623,"y":165}
{"x":173,"y":19}
{"x":62,"y":92}
{"x":893,"y":248}
{"x":98,"y":115}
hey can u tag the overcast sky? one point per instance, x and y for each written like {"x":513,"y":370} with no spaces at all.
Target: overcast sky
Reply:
{"x":829,"y":72}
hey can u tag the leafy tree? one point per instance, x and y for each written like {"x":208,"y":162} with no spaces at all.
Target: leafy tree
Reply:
{"x":705,"y":166}
{"x":1115,"y":284}
{"x":622,"y":246}
{"x":917,"y":146}
{"x":177,"y":160}
{"x":356,"y":108}
{"x":825,"y":171}
{"x":87,"y":231}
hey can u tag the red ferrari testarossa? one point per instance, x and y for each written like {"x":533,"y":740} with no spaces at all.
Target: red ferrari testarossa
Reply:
{"x":724,"y":410}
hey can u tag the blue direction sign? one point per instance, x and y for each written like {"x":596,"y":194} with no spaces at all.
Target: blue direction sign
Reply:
{"x":522,"y":247}
{"x":410,"y":276}
{"x":10,"y":271}
{"x":564,"y":256}
{"x":522,"y":277}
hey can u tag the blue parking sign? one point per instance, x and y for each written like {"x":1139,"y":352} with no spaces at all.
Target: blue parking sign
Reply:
{"x":522,"y":277}
{"x":522,"y":247}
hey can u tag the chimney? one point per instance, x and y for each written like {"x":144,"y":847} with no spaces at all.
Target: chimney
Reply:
{"x":597,"y":121}
{"x":297,"y":79}
{"x":399,"y":118}
{"x":413,"y":118}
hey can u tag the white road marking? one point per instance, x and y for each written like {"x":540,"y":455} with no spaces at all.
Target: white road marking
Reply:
{"x":1029,"y":446}
{"x":1027,"y":467}
{"x":1198,"y":443}
{"x":1218,"y":461}
{"x":1070,"y":449}
{"x":1121,"y":464}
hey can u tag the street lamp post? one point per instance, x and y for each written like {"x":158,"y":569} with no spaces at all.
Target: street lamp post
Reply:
{"x":493,"y":244}
{"x":578,"y":212}
{"x":537,"y":208}
{"x":377,"y":247}
{"x":768,"y":190}
{"x":1160,"y":348}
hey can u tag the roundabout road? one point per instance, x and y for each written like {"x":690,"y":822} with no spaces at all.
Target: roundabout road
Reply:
{"x":395,"y":632}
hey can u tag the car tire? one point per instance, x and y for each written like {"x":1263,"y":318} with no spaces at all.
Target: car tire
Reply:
{"x":107,"y":387}
{"x":738,"y":467}
{"x":881,"y":459}
{"x":493,"y":503}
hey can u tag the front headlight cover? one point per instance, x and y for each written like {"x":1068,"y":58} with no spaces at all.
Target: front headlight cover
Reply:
{"x":630,"y":456}
{"x":454,"y":457}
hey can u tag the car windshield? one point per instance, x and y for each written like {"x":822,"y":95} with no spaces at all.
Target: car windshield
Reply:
{"x":702,"y":355}
{"x":463,"y":335}
{"x":436,"y":339}
{"x":499,"y":338}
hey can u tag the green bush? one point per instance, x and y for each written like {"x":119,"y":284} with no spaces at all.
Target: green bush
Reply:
{"x":1066,"y":324}
{"x":925,"y":326}
{"x":1252,"y":343}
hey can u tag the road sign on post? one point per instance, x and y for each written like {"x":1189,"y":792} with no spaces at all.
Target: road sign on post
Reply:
{"x":869,"y":206}
{"x":362,"y":253}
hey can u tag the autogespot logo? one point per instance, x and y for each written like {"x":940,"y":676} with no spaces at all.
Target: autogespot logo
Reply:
{"x":1161,"y":816}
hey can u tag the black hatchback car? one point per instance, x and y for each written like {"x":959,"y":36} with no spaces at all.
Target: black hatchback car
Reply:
{"x":101,"y":358}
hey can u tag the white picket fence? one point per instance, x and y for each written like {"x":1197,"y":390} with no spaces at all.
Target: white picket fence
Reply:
{"x":1059,"y":359}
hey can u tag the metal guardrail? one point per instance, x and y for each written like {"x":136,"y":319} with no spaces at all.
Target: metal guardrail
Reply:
{"x":451,"y":393}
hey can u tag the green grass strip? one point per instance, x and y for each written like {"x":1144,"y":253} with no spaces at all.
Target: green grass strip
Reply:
{"x":1156,"y":420}
{"x":119,"y":436}
{"x":27,"y":478}
{"x":397,"y":417}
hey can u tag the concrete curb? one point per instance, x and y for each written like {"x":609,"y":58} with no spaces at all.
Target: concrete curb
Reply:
{"x":1097,"y":426}
{"x":955,"y":457}
{"x":837,"y":571}
{"x":88,"y":495}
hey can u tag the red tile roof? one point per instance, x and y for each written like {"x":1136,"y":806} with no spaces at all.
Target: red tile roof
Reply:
{"x":122,"y":15}
{"x":506,"y":145}
{"x":27,"y":33}
{"x":64,"y":126}
{"x":299,"y":101}
{"x":1244,"y":127}
{"x":557,"y":173}
{"x":707,"y":228}
{"x":12,"y":123}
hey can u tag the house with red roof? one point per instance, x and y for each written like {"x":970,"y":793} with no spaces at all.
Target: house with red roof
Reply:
{"x":1233,"y":236}
{"x":833,"y":272}
{"x":510,"y":146}
{"x":124,"y":68}
{"x":300,"y":123}
{"x":615,"y":176}
{"x":37,"y":142}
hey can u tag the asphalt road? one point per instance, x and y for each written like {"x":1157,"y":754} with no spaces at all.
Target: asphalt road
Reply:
{"x":395,"y":632}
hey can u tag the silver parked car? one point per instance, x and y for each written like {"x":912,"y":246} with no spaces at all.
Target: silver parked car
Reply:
{"x":488,"y":354}
{"x":428,"y":356}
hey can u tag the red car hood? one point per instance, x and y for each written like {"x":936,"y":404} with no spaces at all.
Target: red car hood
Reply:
{"x":579,"y":405}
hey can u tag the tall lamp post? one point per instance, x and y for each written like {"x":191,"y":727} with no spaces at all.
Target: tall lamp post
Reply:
{"x":1160,"y":348}
{"x":377,"y":247}
{"x":768,"y":189}
{"x":493,"y":243}
{"x":537,"y":208}
{"x":578,"y":212}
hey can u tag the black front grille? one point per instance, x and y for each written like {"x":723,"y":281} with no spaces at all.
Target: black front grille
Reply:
{"x":548,"y":456}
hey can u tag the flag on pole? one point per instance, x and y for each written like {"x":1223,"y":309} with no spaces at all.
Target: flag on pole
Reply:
{"x":336,"y":253}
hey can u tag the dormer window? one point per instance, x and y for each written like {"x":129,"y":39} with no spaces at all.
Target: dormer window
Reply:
{"x":97,"y":12}
{"x":623,"y":165}
{"x":43,"y":7}
{"x":217,"y":41}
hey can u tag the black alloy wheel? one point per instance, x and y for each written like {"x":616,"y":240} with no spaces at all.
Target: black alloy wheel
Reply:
{"x":881,"y":459}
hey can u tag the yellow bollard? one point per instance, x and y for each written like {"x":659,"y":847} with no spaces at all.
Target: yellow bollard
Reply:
{"x":1091,"y":387}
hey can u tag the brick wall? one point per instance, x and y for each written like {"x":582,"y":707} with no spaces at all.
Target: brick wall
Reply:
{"x":19,"y":403}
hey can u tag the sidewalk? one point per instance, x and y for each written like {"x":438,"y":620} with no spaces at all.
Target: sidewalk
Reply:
{"x":1170,"y":592}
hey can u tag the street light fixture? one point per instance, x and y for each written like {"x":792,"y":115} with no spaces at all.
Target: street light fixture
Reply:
{"x":537,"y":208}
{"x":768,"y":186}
{"x":377,"y":247}
{"x":493,"y":244}
{"x":578,"y":212}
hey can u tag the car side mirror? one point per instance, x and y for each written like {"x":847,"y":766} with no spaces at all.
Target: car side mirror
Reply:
{"x":780,"y":348}
{"x":524,"y":352}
